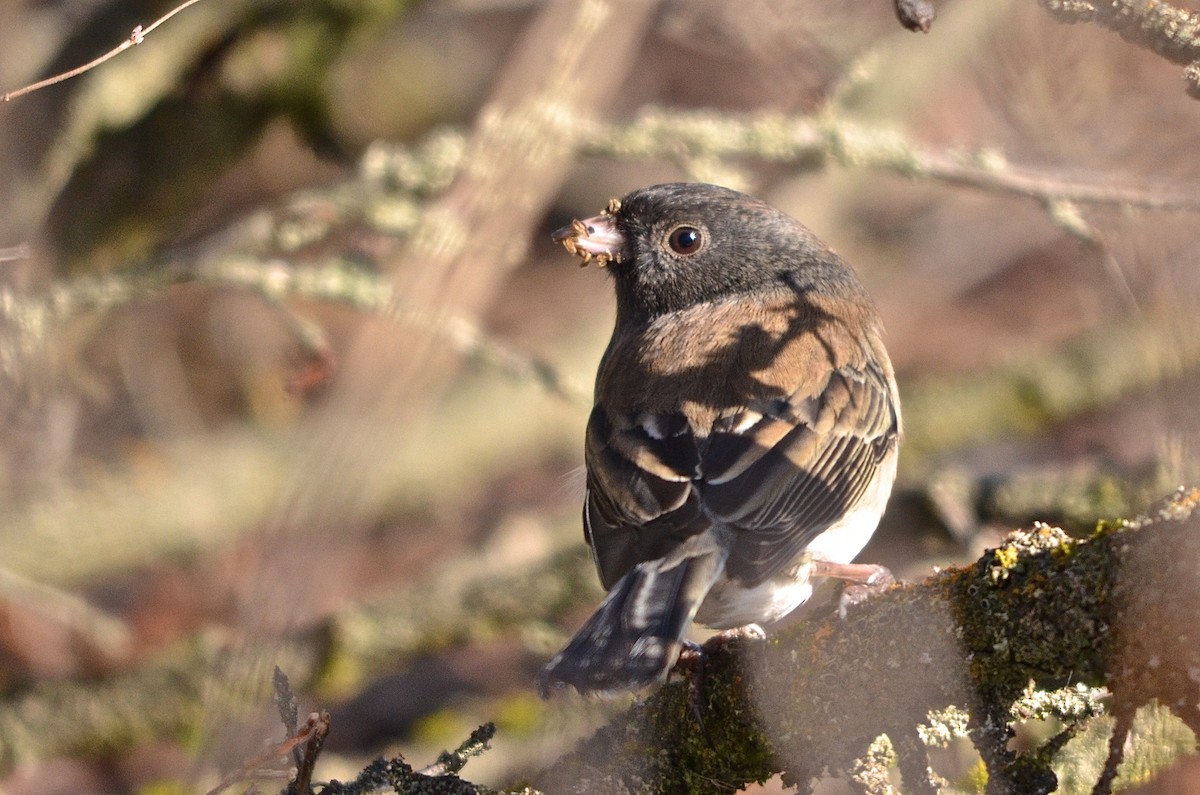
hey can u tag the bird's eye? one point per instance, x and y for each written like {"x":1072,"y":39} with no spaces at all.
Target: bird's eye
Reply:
{"x":685,"y":240}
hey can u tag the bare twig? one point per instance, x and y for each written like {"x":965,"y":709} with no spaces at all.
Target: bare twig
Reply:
{"x":257,"y":765}
{"x":317,"y":729}
{"x":452,"y":762}
{"x":137,"y":36}
{"x":987,"y":170}
{"x":310,"y":736}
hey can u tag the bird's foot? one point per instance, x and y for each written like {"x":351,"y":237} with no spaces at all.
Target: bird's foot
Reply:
{"x":864,"y":581}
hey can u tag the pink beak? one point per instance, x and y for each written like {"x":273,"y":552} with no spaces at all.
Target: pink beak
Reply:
{"x":595,"y":238}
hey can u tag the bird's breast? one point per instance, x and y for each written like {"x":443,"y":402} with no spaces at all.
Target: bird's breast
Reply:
{"x":712,"y":360}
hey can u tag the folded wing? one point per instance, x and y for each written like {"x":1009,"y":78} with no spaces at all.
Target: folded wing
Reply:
{"x":777,"y":473}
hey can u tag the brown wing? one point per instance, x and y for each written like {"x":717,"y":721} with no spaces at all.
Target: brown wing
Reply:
{"x":641,"y":497}
{"x":777,"y":474}
{"x":784,"y":479}
{"x":772,"y":427}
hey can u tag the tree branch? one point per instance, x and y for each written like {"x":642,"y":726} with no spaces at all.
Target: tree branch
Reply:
{"x":967,"y":651}
{"x":1116,"y":610}
{"x":136,"y":37}
{"x":689,"y":136}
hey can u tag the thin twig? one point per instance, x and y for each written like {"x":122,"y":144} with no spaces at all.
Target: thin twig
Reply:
{"x":452,"y":762}
{"x":255,"y":767}
{"x":1046,"y":186}
{"x":137,"y":36}
{"x":317,"y":729}
{"x":311,"y":735}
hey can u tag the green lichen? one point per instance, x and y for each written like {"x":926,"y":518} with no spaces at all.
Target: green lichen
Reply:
{"x":1069,"y":621}
{"x":1067,"y":704}
{"x":943,"y":725}
{"x":871,"y":771}
{"x":1006,"y":653}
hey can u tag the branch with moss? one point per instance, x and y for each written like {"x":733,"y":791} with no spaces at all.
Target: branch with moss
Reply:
{"x":829,"y":137}
{"x":296,"y":252}
{"x":1114,"y":611}
{"x":385,"y":203}
{"x":1039,"y":627}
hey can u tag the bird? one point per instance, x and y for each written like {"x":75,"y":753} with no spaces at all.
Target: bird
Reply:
{"x":744,"y":431}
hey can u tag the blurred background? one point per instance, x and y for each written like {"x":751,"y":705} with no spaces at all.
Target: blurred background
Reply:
{"x":292,"y":374}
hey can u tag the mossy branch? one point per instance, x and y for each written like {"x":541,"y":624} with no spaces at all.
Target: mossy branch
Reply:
{"x":830,"y":137}
{"x":1116,"y":610}
{"x":967,"y":651}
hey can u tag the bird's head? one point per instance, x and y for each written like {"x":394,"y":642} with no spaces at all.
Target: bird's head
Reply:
{"x":673,"y":246}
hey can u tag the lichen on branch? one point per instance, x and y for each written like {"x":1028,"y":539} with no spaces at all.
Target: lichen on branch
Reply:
{"x":1113,"y":611}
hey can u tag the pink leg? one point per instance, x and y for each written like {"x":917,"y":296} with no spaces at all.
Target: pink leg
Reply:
{"x":870,"y":579}
{"x":864,"y":573}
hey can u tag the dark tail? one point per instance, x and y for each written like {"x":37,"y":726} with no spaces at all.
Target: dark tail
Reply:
{"x":634,"y":637}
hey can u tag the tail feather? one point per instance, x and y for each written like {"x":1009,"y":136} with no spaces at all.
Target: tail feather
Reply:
{"x":634,"y":637}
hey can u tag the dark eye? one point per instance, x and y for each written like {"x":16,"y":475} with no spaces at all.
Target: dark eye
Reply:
{"x":685,"y":240}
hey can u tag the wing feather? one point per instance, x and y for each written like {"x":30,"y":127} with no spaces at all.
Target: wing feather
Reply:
{"x":775,"y":462}
{"x":809,"y":479}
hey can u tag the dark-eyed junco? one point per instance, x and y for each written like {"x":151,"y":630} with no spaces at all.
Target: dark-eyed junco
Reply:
{"x":744,"y":435}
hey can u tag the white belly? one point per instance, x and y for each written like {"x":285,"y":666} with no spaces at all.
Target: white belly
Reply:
{"x":729,"y":604}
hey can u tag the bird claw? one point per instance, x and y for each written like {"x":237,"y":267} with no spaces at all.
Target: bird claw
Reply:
{"x":854,"y":595}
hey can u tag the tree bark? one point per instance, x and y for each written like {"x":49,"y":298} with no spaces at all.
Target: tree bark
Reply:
{"x":1116,"y":610}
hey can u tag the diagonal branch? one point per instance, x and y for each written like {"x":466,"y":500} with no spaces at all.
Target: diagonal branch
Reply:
{"x":136,"y":37}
